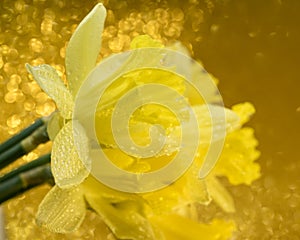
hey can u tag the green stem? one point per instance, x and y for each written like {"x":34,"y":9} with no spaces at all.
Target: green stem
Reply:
{"x":25,"y":181}
{"x":11,"y":154}
{"x":23,"y":134}
{"x":25,"y":146}
{"x":38,"y":162}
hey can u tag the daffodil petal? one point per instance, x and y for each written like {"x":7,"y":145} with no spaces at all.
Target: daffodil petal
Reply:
{"x":244,"y":110}
{"x":220,"y":194}
{"x":48,"y":79}
{"x":196,"y":190}
{"x":70,"y":164}
{"x":123,"y":220}
{"x":179,"y":47}
{"x":175,"y":227}
{"x":214,"y":122}
{"x":143,"y":41}
{"x":138,"y":77}
{"x":123,"y":212}
{"x":95,"y":189}
{"x":62,"y":210}
{"x":237,"y":161}
{"x":150,"y":113}
{"x":55,"y":124}
{"x":84,"y":46}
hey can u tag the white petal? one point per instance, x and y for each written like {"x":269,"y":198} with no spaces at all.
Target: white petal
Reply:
{"x":62,"y":210}
{"x":70,"y":165}
{"x":84,"y":46}
{"x":48,"y":79}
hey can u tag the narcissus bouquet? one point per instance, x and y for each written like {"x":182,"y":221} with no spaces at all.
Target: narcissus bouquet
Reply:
{"x":168,"y":212}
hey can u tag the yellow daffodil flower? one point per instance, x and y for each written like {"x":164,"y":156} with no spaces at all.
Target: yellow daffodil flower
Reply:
{"x":154,"y":215}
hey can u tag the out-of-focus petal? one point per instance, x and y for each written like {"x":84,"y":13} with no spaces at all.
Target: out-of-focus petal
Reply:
{"x":84,"y":46}
{"x":213,"y":119}
{"x":175,"y":227}
{"x":124,"y":213}
{"x":95,"y":189}
{"x":195,"y":189}
{"x":179,"y":47}
{"x":164,"y":201}
{"x":124,"y":222}
{"x":237,"y":161}
{"x":244,"y":110}
{"x":220,"y":194}
{"x":70,"y":165}
{"x":48,"y":79}
{"x":214,"y":122}
{"x":143,"y":41}
{"x":62,"y":210}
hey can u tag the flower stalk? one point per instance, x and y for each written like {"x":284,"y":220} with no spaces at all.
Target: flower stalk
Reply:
{"x":23,"y":143}
{"x":23,"y":134}
{"x":24,"y":181}
{"x":26,"y":167}
{"x":28,"y":175}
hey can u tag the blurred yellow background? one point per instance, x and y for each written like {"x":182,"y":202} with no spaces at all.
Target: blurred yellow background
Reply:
{"x":251,"y":46}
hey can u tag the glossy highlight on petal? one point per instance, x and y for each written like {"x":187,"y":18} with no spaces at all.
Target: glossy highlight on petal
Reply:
{"x":70,"y":164}
{"x":84,"y":46}
{"x":48,"y":79}
{"x":62,"y":210}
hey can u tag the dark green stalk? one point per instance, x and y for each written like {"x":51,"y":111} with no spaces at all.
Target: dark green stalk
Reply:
{"x":25,"y":146}
{"x":38,"y":162}
{"x":25,"y":181}
{"x":23,"y":134}
{"x":11,"y":154}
